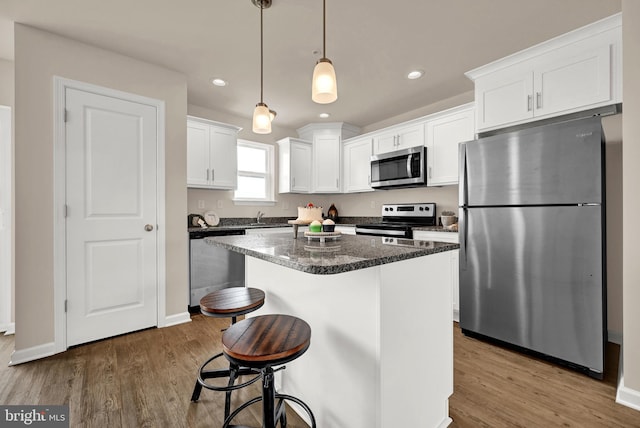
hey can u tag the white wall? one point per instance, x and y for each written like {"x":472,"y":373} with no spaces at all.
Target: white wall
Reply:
{"x":39,"y":56}
{"x":630,"y":390}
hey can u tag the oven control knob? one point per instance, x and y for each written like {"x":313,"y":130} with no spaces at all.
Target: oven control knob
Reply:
{"x":391,"y":209}
{"x":421,"y":208}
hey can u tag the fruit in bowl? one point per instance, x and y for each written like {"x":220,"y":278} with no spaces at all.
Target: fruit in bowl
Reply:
{"x":315,"y":226}
{"x":328,"y":225}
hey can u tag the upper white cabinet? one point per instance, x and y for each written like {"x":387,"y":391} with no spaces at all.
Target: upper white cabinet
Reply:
{"x":211,"y":154}
{"x":577,"y":71}
{"x":326,"y":140}
{"x":444,"y":132}
{"x":398,"y":138}
{"x":295,"y":166}
{"x":357,"y":165}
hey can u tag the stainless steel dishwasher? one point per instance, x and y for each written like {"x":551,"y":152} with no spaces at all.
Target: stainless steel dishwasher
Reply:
{"x":210,"y":267}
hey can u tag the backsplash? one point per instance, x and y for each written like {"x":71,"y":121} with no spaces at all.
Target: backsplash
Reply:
{"x":367,"y":204}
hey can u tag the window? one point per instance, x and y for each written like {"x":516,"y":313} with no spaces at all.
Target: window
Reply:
{"x":255,"y":172}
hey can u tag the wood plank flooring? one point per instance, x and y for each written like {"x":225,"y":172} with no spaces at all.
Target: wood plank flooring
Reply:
{"x":145,"y":379}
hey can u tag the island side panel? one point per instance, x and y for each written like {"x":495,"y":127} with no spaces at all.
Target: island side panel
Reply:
{"x":338,"y":377}
{"x":416,"y":363}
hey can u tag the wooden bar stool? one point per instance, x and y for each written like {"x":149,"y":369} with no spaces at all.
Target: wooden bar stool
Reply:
{"x":263,"y":342}
{"x":227,"y":303}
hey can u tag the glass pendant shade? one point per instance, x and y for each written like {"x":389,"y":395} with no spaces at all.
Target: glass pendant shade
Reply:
{"x":324,"y":89}
{"x":261,"y":119}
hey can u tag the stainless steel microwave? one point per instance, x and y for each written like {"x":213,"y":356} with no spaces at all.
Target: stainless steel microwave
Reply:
{"x":402,"y":168}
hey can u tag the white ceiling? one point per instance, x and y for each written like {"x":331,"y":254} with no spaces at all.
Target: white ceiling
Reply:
{"x":373,"y":44}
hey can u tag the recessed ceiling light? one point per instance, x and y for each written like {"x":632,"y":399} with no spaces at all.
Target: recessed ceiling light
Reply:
{"x":219,"y":82}
{"x":415,"y":74}
{"x":324,"y":115}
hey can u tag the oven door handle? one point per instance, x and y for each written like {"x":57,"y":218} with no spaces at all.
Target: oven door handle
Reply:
{"x":379,"y":232}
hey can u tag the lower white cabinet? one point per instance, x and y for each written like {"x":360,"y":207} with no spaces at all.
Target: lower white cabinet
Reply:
{"x":211,"y":154}
{"x":357,"y":165}
{"x":444,"y":133}
{"x":447,"y":237}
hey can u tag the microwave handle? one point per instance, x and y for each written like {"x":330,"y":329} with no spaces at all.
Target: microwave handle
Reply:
{"x":409,"y":159}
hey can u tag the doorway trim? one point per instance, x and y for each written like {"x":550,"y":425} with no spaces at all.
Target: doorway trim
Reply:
{"x":6,"y":222}
{"x":60,"y":85}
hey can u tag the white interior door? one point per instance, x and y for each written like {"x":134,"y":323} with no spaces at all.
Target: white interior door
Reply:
{"x":111,"y":204}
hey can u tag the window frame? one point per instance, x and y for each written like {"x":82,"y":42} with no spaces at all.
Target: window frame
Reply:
{"x":269,"y":175}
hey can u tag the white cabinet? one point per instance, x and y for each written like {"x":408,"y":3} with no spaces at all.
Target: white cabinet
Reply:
{"x":211,"y":154}
{"x":577,"y":71}
{"x":398,"y":138}
{"x":294,"y":166}
{"x":356,"y":169}
{"x":327,"y":157}
{"x":444,"y":133}
{"x":327,"y":140}
{"x":455,"y":274}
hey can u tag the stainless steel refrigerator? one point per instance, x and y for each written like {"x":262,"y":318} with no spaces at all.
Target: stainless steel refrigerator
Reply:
{"x":531,"y":221}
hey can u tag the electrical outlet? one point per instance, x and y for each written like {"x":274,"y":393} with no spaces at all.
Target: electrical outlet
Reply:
{"x":201,"y":204}
{"x":219,"y":203}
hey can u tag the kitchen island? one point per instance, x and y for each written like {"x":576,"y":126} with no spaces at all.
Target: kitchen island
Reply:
{"x":379,"y":308}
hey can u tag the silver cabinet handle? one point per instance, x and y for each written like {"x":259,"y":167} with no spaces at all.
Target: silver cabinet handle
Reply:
{"x":429,"y":172}
{"x":337,"y":182}
{"x":538,"y":99}
{"x":529,"y":102}
{"x":294,"y":182}
{"x":369,"y":180}
{"x":148,"y":227}
{"x":213,"y":175}
{"x":207,"y":174}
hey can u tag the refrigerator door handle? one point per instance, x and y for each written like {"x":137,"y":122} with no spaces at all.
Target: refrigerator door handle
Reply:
{"x":462,"y":168}
{"x":462,"y":217}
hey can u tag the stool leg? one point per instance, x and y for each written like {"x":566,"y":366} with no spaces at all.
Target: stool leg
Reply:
{"x":196,"y":392}
{"x":268,"y":399}
{"x":233,"y":374}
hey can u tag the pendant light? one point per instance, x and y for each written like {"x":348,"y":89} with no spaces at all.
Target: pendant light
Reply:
{"x":262,"y":115}
{"x":324,"y":87}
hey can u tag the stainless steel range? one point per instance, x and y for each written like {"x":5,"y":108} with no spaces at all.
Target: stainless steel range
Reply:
{"x":398,"y":220}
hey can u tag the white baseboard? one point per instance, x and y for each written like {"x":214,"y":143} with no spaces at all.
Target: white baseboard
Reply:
{"x":627,"y":396}
{"x":9,"y":328}
{"x":30,"y":354}
{"x":614,"y":337}
{"x":176,"y":319}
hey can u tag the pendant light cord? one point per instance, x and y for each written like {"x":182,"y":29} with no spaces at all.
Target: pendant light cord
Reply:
{"x":324,"y":28}
{"x":261,"y":54}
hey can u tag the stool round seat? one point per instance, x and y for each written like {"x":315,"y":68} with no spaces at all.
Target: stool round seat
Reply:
{"x":266,"y":340}
{"x":231,"y":302}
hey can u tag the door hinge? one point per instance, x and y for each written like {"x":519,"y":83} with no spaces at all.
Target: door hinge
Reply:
{"x":65,"y":306}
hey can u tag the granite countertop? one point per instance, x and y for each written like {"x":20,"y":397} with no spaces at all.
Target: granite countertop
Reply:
{"x":435,"y":229}
{"x":344,"y":254}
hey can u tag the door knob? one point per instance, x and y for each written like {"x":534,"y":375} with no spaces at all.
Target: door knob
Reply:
{"x":148,"y":227}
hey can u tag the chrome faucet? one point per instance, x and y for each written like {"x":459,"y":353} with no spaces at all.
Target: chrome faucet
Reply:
{"x":259,"y":217}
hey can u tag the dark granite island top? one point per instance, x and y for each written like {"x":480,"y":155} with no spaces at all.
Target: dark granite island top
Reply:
{"x":344,"y":254}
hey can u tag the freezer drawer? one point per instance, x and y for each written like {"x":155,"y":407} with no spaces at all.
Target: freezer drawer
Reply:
{"x":533,"y":277}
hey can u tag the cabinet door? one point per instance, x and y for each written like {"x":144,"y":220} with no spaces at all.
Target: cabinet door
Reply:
{"x":504,"y":97}
{"x":443,"y":136}
{"x":455,"y":283}
{"x":326,"y":163}
{"x":197,"y":154}
{"x":399,"y":138}
{"x":568,"y":80}
{"x":300,"y":165}
{"x":385,"y":142}
{"x":357,"y":166}
{"x":223,"y":158}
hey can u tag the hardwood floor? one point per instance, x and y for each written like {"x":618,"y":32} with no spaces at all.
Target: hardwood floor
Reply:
{"x":497,"y":387}
{"x":145,"y":379}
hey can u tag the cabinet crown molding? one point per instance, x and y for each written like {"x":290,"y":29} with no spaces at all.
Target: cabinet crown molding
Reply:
{"x":214,"y":123}
{"x":589,"y":30}
{"x":346,"y":130}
